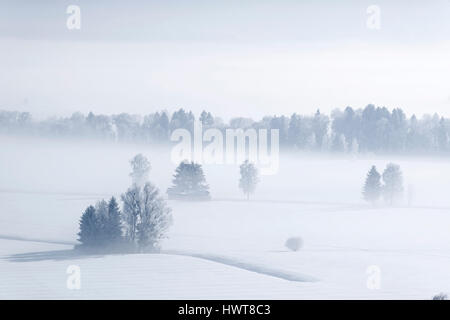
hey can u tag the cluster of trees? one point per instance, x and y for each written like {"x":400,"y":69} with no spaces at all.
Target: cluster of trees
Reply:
{"x":145,"y":218}
{"x":138,"y":227}
{"x":388,"y":185}
{"x":371,"y":129}
{"x":101,"y":226}
{"x":189,"y":181}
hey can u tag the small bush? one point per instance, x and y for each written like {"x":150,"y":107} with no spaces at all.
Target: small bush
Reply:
{"x":294,"y":243}
{"x":440,"y":296}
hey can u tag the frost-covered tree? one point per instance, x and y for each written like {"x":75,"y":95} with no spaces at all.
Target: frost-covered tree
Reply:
{"x":146,"y":216}
{"x":155,"y":128}
{"x":154,"y":218}
{"x":339,"y":144}
{"x":249,"y":178}
{"x":182,"y":119}
{"x":89,"y":228}
{"x":372,"y":186}
{"x":354,"y":147}
{"x":320,"y":125}
{"x":311,"y":142}
{"x":189,"y":182}
{"x":393,"y":183}
{"x":376,"y":129}
{"x":140,"y":169}
{"x":130,"y":213}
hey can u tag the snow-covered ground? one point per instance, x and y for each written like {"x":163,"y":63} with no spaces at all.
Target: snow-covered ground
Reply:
{"x":228,"y":247}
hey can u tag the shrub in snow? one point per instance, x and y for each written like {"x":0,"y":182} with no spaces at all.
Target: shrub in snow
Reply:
{"x":440,"y":296}
{"x":294,"y":243}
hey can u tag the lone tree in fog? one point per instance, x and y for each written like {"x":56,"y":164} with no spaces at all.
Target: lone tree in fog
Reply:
{"x":140,"y":169}
{"x":393,"y":183}
{"x":372,"y":186}
{"x":189,"y":183}
{"x":146,"y":217}
{"x":249,"y":178}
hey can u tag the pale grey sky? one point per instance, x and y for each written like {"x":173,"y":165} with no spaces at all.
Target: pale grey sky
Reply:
{"x":248,"y":58}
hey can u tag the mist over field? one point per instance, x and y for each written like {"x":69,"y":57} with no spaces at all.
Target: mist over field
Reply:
{"x":46,"y":184}
{"x":224,"y":150}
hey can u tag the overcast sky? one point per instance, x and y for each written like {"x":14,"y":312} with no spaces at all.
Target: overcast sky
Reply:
{"x":248,"y":58}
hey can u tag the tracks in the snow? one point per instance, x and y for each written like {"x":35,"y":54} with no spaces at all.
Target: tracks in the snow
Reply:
{"x":228,"y":261}
{"x":248,"y":266}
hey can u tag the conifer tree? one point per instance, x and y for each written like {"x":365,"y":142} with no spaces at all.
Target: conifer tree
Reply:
{"x":372,"y":186}
{"x":189,"y":182}
{"x":114,"y":224}
{"x":89,"y":227}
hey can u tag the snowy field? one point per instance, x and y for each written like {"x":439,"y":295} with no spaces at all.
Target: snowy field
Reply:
{"x":227,"y":248}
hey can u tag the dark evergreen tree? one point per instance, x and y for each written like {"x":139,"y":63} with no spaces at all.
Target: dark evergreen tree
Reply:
{"x":89,"y":228}
{"x":372,"y":186}
{"x":189,"y":182}
{"x":114,"y":223}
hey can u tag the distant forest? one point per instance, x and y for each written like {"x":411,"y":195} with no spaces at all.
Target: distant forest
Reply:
{"x":371,"y":129}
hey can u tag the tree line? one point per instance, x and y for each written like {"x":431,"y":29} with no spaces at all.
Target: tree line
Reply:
{"x":370,"y":129}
